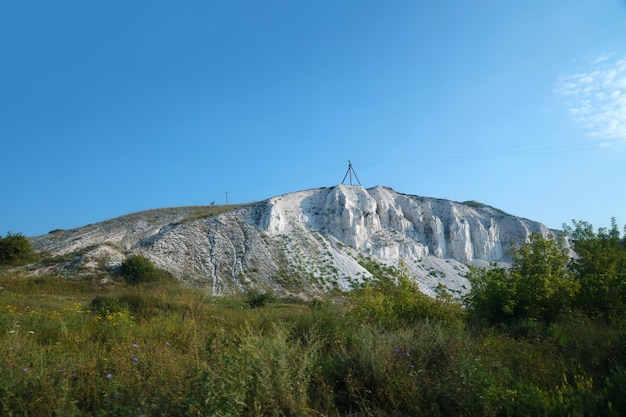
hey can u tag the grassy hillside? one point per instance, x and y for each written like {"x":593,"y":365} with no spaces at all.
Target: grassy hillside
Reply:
{"x":76,"y":348}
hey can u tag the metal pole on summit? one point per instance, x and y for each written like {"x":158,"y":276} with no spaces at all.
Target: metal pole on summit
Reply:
{"x":350,"y":171}
{"x":354,"y":172}
{"x":347,"y":172}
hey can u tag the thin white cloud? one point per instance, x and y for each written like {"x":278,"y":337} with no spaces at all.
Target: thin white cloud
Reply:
{"x":596,"y":99}
{"x":602,"y":58}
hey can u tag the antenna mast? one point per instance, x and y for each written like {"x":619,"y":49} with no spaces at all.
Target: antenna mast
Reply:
{"x":350,"y":171}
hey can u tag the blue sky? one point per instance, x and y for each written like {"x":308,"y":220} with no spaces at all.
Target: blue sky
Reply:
{"x":113,"y":107}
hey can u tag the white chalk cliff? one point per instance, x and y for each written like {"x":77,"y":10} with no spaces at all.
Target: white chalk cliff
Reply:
{"x":304,"y":242}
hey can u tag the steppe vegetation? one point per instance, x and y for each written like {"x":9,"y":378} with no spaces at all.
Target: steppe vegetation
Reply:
{"x":546,"y":337}
{"x":211,"y":211}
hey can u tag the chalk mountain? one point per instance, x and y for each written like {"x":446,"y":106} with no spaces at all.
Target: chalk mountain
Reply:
{"x":305,"y":242}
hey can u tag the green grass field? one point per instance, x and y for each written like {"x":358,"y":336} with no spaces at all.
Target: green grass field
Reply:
{"x":82,"y":348}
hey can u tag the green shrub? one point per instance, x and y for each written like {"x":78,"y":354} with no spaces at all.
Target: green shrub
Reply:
{"x":600,"y":268}
{"x":538,"y":286}
{"x":138,"y":269}
{"x":258,"y":298}
{"x":392,"y":299}
{"x":15,"y":249}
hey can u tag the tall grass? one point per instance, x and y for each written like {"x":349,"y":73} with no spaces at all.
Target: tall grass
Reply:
{"x":159,"y":349}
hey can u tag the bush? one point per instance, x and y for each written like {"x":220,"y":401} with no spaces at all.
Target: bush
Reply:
{"x":538,"y":286}
{"x":257,"y":298}
{"x":393,"y":299}
{"x":138,"y":269}
{"x":600,"y":268}
{"x":15,"y":249}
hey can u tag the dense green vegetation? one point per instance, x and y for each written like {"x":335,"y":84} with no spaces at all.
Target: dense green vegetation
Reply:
{"x":543,"y":338}
{"x":15,"y":249}
{"x":138,"y":269}
{"x":546,"y":284}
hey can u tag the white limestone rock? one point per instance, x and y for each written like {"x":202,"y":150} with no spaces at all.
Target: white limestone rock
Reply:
{"x":305,"y":242}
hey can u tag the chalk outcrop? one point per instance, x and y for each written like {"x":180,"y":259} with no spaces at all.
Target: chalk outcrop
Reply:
{"x":304,"y":242}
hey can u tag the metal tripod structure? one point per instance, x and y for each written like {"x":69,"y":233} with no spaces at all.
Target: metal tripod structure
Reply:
{"x":350,"y":172}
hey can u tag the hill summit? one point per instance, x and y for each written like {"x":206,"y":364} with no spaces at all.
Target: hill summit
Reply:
{"x":304,"y":242}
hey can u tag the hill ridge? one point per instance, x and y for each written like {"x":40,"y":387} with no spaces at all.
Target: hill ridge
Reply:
{"x":308,"y":241}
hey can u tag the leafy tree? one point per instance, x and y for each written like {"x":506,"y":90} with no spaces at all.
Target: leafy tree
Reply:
{"x":138,"y":269}
{"x":14,"y":249}
{"x":544,"y":285}
{"x":596,"y":253}
{"x":538,"y":286}
{"x":492,"y":298}
{"x":600,"y":268}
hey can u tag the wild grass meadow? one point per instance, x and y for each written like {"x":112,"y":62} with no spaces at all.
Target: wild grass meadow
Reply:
{"x":83,"y":348}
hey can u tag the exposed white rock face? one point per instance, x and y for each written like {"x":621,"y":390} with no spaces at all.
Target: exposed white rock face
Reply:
{"x":304,"y":242}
